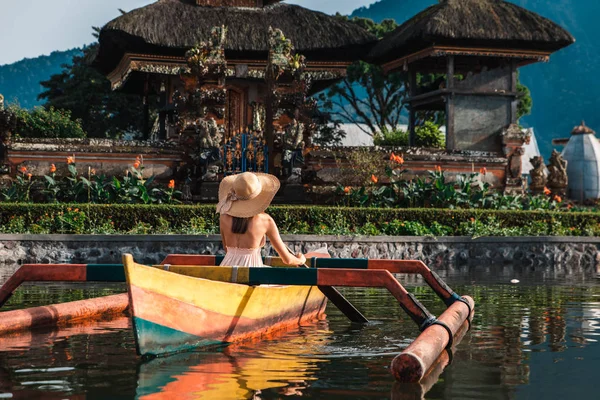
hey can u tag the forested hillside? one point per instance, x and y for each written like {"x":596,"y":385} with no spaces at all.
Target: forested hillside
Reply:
{"x":20,"y":81}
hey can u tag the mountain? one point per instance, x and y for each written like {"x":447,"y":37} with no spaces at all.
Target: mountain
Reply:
{"x":564,"y":90}
{"x":20,"y":81}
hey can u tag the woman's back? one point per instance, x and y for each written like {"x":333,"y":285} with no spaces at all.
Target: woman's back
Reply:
{"x":252,"y":237}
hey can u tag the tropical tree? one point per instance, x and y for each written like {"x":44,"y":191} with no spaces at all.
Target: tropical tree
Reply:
{"x":87,"y":94}
{"x":367,"y":96}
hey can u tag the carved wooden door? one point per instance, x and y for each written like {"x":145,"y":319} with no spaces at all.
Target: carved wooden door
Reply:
{"x":234,"y":112}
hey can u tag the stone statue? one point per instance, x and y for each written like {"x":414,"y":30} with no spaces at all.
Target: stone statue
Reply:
{"x":212,"y":174}
{"x":293,"y":139}
{"x":513,"y":139}
{"x":295,"y":176}
{"x":293,"y":144}
{"x":209,"y":135}
{"x":538,"y":175}
{"x":557,"y":178}
{"x":515,"y":163}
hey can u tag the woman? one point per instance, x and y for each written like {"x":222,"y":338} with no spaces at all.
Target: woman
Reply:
{"x":243,"y":199}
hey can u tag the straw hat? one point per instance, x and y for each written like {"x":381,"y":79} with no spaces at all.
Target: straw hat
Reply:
{"x":246,"y":194}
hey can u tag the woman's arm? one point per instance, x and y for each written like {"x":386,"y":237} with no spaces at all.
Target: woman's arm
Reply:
{"x":281,"y":249}
{"x":221,"y":231}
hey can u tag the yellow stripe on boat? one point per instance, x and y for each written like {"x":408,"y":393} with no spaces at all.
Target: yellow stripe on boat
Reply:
{"x":221,"y":274}
{"x":220,"y":297}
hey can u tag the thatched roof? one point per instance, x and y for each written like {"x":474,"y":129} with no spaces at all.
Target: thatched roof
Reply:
{"x":487,"y":23}
{"x":170,"y":27}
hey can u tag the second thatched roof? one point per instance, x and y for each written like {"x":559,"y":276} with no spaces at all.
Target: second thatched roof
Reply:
{"x":170,"y":27}
{"x":488,"y":23}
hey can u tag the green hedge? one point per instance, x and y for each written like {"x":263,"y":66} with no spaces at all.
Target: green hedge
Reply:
{"x":148,"y":219}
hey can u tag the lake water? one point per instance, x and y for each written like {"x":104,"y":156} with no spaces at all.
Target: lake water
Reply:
{"x":536,"y":339}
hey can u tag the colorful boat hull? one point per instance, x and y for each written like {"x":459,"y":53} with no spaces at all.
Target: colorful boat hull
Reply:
{"x":172,"y":312}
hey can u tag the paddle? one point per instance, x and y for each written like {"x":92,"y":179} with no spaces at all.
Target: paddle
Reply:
{"x":332,"y":293}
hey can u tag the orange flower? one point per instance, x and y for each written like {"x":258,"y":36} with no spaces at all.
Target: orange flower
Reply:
{"x":136,"y":164}
{"x":172,"y":184}
{"x":52,"y":168}
{"x":472,"y":219}
{"x":374,"y":179}
{"x":29,"y":176}
{"x":547,"y":191}
{"x":438,"y":168}
{"x":569,"y":206}
{"x":93,"y":171}
{"x":397,"y":159}
{"x":347,"y":189}
{"x":71,"y":160}
{"x":483,"y":171}
{"x":558,"y":199}
{"x":22,"y":169}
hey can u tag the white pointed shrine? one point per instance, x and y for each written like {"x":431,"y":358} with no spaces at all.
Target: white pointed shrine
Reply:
{"x":582,"y":153}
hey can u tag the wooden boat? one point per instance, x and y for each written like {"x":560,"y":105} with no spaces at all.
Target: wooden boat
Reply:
{"x":174,"y":311}
{"x":184,"y":304}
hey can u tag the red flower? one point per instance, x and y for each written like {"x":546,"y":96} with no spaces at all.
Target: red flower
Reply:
{"x":558,"y":199}
{"x":172,"y":184}
{"x":23,"y":169}
{"x":374,"y":179}
{"x":438,"y":168}
{"x":483,"y":171}
{"x":347,"y":189}
{"x":547,"y":191}
{"x":136,"y":164}
{"x":52,"y":168}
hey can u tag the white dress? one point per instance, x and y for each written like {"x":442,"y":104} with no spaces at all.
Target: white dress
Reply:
{"x":239,"y":257}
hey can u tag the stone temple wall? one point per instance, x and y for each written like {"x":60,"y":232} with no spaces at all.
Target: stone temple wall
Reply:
{"x":546,"y":257}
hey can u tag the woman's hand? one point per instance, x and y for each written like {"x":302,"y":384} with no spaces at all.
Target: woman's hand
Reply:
{"x":301,"y":258}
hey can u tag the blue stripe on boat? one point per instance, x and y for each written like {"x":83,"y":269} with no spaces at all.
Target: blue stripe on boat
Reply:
{"x":161,"y":340}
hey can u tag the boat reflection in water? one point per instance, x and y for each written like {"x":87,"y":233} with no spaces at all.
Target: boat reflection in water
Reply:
{"x":234,"y":372}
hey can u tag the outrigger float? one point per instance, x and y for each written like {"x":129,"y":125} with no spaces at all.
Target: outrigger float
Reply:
{"x":188,"y":302}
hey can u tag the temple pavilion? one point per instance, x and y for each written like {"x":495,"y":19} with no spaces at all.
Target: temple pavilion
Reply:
{"x":474,"y":48}
{"x":218,"y":70}
{"x":144,"y":51}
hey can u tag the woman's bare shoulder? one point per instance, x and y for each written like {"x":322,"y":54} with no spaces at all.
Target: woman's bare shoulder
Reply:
{"x":266,"y":218}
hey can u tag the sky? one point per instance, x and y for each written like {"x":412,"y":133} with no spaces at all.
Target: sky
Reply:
{"x":29,"y":28}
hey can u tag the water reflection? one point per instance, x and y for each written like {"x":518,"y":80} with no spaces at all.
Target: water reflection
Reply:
{"x":528,"y":340}
{"x":229,"y":374}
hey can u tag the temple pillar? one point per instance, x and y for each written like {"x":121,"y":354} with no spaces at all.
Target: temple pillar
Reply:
{"x":412,"y":86}
{"x":450,"y":139}
{"x":146,"y":110}
{"x":162,"y":115}
{"x":513,"y":88}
